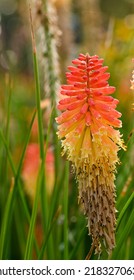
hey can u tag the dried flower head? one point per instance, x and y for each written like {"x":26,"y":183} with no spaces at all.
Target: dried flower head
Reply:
{"x":87,"y":129}
{"x":47,"y":40}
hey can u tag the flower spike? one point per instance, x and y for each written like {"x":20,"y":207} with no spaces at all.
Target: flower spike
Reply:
{"x":86,"y":127}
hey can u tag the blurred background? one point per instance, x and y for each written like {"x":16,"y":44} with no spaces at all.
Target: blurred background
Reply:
{"x":101,"y":27}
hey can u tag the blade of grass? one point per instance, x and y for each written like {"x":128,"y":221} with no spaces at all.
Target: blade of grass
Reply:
{"x":26,"y":211}
{"x":11,"y":197}
{"x":44,"y":194}
{"x":29,"y":244}
{"x":42,"y":251}
{"x":128,"y":248}
{"x":123,"y":236}
{"x":37,"y":86}
{"x":55,"y":195}
{"x":124,"y":209}
{"x":20,"y":190}
{"x":65,"y":209}
{"x":5,"y":223}
{"x":54,"y":204}
{"x":20,"y":224}
{"x":44,"y":198}
{"x":81,"y":237}
{"x":9,"y":93}
{"x":8,"y":110}
{"x":3,"y":164}
{"x":8,"y":153}
{"x":27,"y":214}
{"x":39,"y":115}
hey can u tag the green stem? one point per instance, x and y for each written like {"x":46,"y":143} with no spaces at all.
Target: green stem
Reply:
{"x":81,"y":237}
{"x":3,"y":165}
{"x":65,"y":209}
{"x":38,"y":102}
{"x":42,"y":251}
{"x":123,"y":236}
{"x":30,"y":238}
{"x":11,"y":197}
{"x":124,"y":210}
{"x":44,"y":201}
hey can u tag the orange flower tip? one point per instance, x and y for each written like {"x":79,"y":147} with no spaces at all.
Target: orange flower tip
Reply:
{"x":82,"y":58}
{"x":84,"y":108}
{"x":78,"y":61}
{"x":100,"y":84}
{"x":87,"y":90}
{"x":66,"y":100}
{"x":97,"y":93}
{"x":115,"y":101}
{"x":88,"y":119}
{"x":79,"y":85}
{"x":108,"y":90}
{"x":67,"y":87}
{"x":73,"y":106}
{"x":92,"y":57}
{"x":81,"y":67}
{"x":116,"y":123}
{"x":58,"y":119}
{"x":82,"y":55}
{"x":91,"y":64}
{"x":103,"y":69}
{"x":72,"y":68}
{"x":67,"y":92}
{"x":95,"y":114}
{"x":77,"y":117}
{"x":59,"y":107}
{"x":101,"y":60}
{"x":94,"y":80}
{"x":91,"y":102}
{"x":79,"y":129}
{"x":85,"y":78}
{"x":81,"y":96}
{"x":105,"y":76}
{"x":94,"y":73}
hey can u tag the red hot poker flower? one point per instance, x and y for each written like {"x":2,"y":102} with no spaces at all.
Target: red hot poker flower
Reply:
{"x":87,"y":129}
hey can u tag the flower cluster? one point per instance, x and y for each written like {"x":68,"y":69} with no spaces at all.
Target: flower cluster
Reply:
{"x":86,"y":127}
